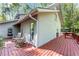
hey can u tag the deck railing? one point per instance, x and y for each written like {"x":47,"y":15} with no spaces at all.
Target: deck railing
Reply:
{"x":74,"y":35}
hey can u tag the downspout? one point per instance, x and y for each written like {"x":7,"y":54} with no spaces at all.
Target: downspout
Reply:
{"x":58,"y":7}
{"x":36,"y":27}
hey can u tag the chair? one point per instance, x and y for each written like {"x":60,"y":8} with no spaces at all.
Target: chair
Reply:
{"x":19,"y":40}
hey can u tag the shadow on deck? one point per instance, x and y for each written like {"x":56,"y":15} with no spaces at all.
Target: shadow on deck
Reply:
{"x":57,"y":47}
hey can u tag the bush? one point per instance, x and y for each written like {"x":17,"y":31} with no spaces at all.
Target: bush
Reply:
{"x":1,"y":41}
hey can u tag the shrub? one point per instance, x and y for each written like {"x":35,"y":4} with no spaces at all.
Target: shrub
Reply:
{"x":1,"y":41}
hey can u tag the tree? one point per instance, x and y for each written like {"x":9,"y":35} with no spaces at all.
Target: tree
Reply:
{"x":70,"y":13}
{"x":3,"y":13}
{"x":43,"y":5}
{"x":66,"y":15}
{"x":10,"y":10}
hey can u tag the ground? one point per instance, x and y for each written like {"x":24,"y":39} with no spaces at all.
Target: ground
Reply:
{"x":57,"y":47}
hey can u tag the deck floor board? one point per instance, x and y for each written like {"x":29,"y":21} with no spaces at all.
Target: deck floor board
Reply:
{"x":58,"y":47}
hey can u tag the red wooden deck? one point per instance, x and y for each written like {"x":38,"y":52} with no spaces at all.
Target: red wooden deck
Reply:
{"x":57,"y":47}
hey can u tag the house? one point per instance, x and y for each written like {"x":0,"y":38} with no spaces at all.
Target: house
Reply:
{"x":5,"y":26}
{"x":18,"y":16}
{"x":40,"y":26}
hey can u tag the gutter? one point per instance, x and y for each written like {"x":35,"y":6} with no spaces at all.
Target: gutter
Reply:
{"x":32,"y":17}
{"x":37,"y":22}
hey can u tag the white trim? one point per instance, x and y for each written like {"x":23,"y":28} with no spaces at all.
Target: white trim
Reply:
{"x":47,"y":10}
{"x":37,"y":32}
{"x":36,"y":27}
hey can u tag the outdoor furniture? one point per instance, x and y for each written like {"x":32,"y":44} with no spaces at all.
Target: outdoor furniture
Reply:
{"x":77,"y":38}
{"x":74,"y":35}
{"x":19,"y":40}
{"x":67,"y":34}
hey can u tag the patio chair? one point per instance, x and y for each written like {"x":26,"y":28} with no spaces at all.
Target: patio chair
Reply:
{"x":18,"y":36}
{"x":19,"y":40}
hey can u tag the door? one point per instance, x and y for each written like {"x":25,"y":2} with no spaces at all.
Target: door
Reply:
{"x":32,"y":32}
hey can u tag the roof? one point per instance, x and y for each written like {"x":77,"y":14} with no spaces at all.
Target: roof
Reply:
{"x":8,"y":21}
{"x":47,"y":10}
{"x":35,"y":12}
{"x":18,"y":16}
{"x":44,"y":10}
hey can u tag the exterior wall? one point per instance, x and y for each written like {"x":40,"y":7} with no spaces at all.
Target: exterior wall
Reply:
{"x":16,"y":30}
{"x":4,"y":28}
{"x":25,"y":29}
{"x":48,"y":25}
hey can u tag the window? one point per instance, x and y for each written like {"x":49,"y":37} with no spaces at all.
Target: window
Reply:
{"x":10,"y":32}
{"x":32,"y":31}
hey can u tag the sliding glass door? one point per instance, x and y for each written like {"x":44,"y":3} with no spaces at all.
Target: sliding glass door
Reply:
{"x":32,"y":29}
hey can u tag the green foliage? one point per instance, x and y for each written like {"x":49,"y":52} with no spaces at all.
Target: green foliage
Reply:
{"x":10,"y":10}
{"x":14,"y":6}
{"x":1,"y":41}
{"x":2,"y":18}
{"x":44,"y":5}
{"x":70,"y":14}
